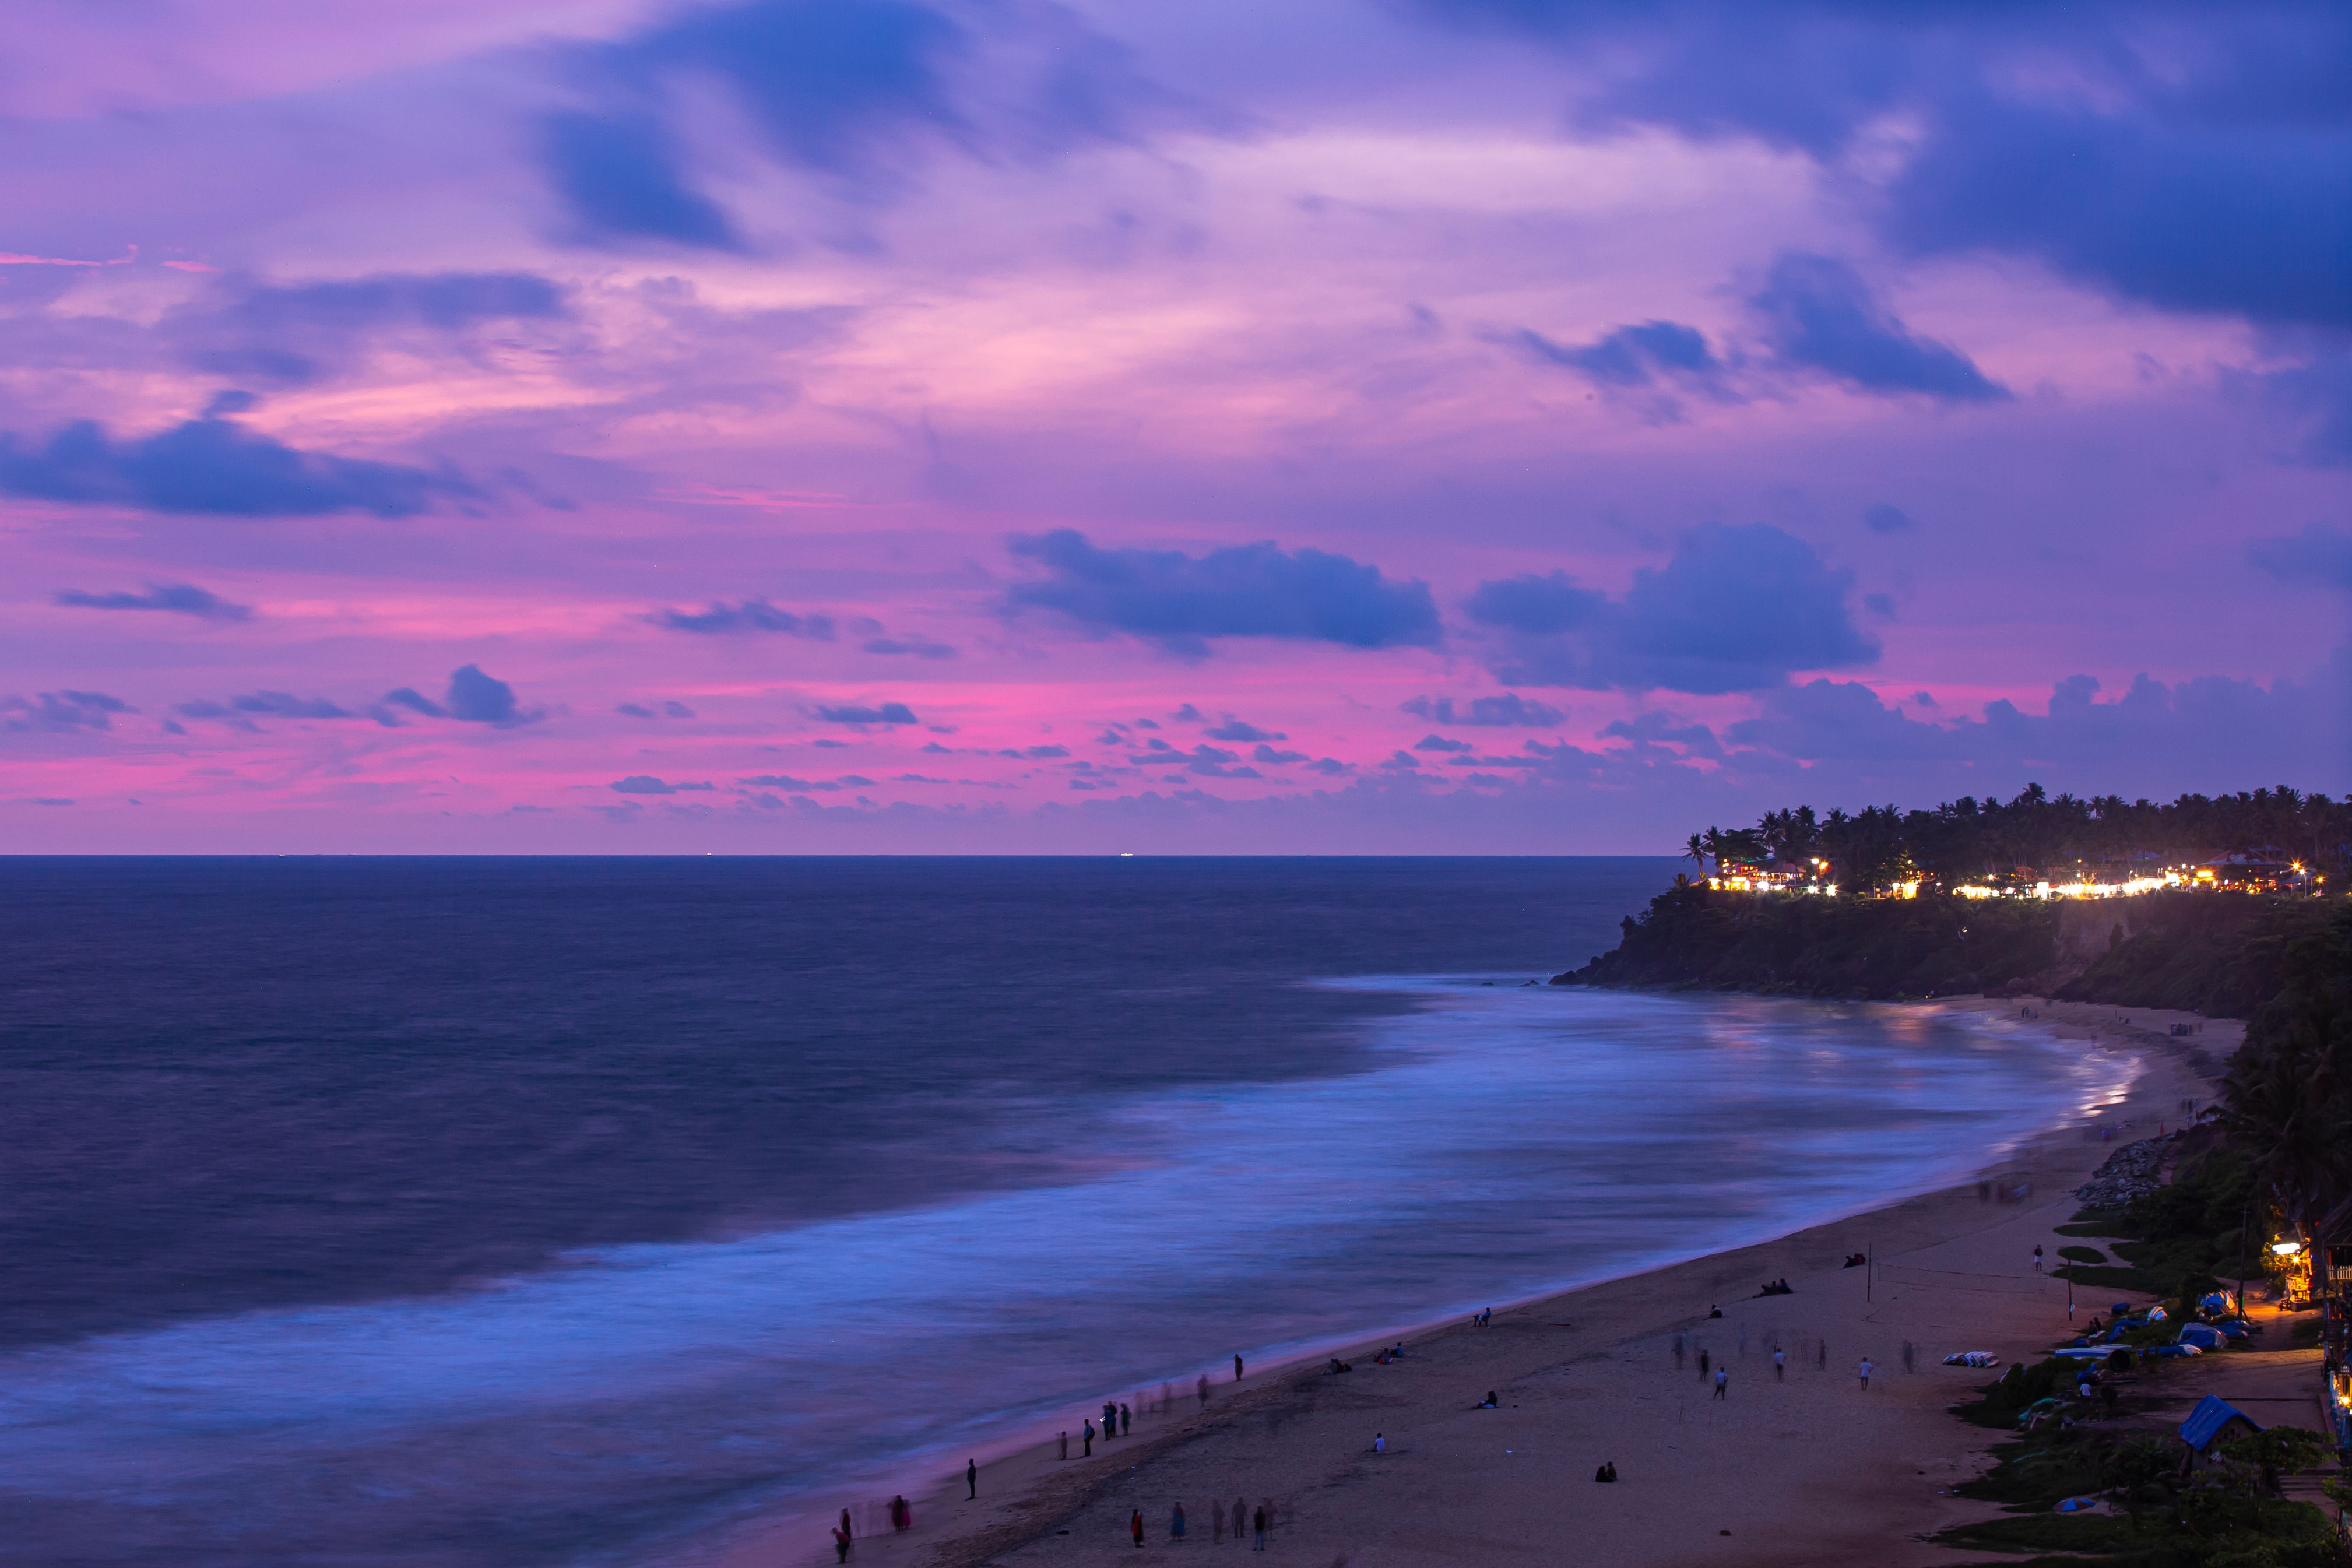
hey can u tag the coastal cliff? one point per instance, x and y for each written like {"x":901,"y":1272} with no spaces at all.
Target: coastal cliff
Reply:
{"x":2219,"y":954}
{"x":1696,"y":938}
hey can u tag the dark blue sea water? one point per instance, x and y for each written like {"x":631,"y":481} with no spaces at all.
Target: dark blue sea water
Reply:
{"x":544,"y":1212}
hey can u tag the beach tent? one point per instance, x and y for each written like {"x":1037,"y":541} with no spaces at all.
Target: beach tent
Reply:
{"x":2214,"y":1419}
{"x":2204,"y":1336}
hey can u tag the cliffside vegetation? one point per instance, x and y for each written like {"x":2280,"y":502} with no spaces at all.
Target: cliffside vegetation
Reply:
{"x":1962,"y":839}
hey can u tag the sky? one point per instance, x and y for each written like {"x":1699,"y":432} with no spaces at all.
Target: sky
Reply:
{"x":1346,"y":427}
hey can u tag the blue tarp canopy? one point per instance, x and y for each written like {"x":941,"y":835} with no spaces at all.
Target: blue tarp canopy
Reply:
{"x":2205,"y":1336}
{"x":2207,"y":1422}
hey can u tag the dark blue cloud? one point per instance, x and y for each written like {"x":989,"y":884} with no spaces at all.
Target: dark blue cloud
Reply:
{"x":178,"y":598}
{"x":1442,"y":743}
{"x":1630,"y":357}
{"x":915,"y":647}
{"x":2315,"y":396}
{"x":619,"y":177}
{"x":824,"y":80}
{"x":849,"y":89}
{"x":1817,"y":313}
{"x":645,"y":783}
{"x":294,"y":333}
{"x":473,"y":698}
{"x":62,"y":711}
{"x":1216,"y":762}
{"x":479,"y":699}
{"x":751,"y":615}
{"x":1538,"y":605}
{"x":1234,"y":729}
{"x":285,"y":705}
{"x":1506,"y":708}
{"x":214,"y":466}
{"x":2204,"y":165}
{"x":1268,"y":754}
{"x":1181,"y":602}
{"x":1665,"y":729}
{"x":2320,"y":555}
{"x":863,"y":714}
{"x":1883,"y":518}
{"x":2159,"y":734}
{"x":1734,"y":609}
{"x":2235,"y":210}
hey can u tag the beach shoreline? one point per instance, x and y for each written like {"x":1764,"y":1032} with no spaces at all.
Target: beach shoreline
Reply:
{"x":1035,"y":1506}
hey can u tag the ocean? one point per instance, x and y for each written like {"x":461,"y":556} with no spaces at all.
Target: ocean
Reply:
{"x":451,"y":1213}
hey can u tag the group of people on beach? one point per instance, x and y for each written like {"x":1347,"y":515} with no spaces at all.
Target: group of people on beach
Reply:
{"x":1257,"y":1522}
{"x":845,"y":1534}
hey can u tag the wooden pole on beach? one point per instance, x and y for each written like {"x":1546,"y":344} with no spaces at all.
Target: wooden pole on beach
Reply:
{"x":1869,"y":1268}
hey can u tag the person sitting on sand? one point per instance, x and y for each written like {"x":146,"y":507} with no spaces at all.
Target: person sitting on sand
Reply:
{"x":1607,"y":1472}
{"x":1490,"y":1401}
{"x":1713,"y":1310}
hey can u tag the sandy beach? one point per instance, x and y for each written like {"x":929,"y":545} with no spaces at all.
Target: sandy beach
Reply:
{"x":1804,"y":1465}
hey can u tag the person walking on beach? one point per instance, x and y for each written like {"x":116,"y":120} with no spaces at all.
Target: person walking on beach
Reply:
{"x":1258,"y":1529}
{"x":1866,"y":1370}
{"x":1135,"y":1527}
{"x":1126,"y":1420}
{"x":1237,"y":1366}
{"x":1176,"y":1521}
{"x":1066,"y":1442}
{"x":1241,"y":1512}
{"x":1706,"y":1363}
{"x":840,"y":1544}
{"x":1087,"y":1436}
{"x":1722,"y":1382}
{"x":901,"y":1514}
{"x":971,"y":1479}
{"x":1202,"y":1390}
{"x":2037,"y":1259}
{"x":1110,"y":1420}
{"x":846,"y":1532}
{"x":1779,"y":1365}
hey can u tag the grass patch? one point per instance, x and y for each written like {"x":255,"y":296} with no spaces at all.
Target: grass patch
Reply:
{"x":2107,"y":1276}
{"x":2082,"y":1255}
{"x":2101,"y":1534}
{"x":2100,"y":1222}
{"x":2040,"y":1473}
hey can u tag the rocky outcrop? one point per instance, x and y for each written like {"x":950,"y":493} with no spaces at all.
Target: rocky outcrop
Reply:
{"x":2132,"y":1172}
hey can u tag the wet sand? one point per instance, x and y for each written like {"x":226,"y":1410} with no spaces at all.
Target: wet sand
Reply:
{"x":1806,"y":1467}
